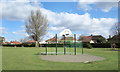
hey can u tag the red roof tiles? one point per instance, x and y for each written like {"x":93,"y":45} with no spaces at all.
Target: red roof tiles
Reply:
{"x":15,"y":42}
{"x":85,"y":38}
{"x":30,"y":41}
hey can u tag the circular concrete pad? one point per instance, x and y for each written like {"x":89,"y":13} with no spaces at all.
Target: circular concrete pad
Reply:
{"x":71,"y":58}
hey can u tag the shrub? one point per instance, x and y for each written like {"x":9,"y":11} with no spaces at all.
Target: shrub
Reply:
{"x":89,"y":46}
{"x":101,"y":45}
{"x":54,"y":45}
{"x":28,"y":44}
{"x":12,"y":45}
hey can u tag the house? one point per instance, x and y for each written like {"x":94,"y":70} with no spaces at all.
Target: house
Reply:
{"x":52,"y":40}
{"x":42,"y":42}
{"x":7,"y":43}
{"x":15,"y":42}
{"x":98,"y":39}
{"x":86,"y":39}
{"x":113,"y":39}
{"x":92,"y":39}
{"x":30,"y":42}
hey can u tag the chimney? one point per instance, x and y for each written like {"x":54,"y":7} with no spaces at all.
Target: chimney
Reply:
{"x":109,"y":36}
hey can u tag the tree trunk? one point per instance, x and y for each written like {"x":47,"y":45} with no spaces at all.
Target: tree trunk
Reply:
{"x":36,"y":44}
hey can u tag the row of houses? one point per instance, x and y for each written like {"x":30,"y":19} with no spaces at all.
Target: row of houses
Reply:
{"x":88,"y":39}
{"x":17,"y":42}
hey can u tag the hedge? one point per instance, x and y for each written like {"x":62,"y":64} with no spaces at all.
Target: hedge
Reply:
{"x":101,"y":45}
{"x":12,"y":45}
{"x":104,"y":45}
{"x":85,"y":45}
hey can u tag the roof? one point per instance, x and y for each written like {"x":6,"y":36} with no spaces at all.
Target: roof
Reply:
{"x":15,"y":42}
{"x":30,"y":41}
{"x":95,"y":37}
{"x":89,"y":38}
{"x":52,"y":39}
{"x":6,"y":42}
{"x":85,"y":38}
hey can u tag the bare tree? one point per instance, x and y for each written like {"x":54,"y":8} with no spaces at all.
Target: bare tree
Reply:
{"x":115,"y":29}
{"x":22,"y":40}
{"x":36,"y":26}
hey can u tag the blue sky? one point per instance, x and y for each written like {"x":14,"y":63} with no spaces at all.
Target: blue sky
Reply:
{"x":80,"y":18}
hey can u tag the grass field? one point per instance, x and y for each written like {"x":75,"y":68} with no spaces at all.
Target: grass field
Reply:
{"x":28,"y":59}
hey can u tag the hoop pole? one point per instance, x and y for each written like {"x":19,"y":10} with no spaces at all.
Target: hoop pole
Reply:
{"x":64,"y":45}
{"x":46,"y":48}
{"x":56,"y":44}
{"x":75,"y":43}
{"x":82,"y":49}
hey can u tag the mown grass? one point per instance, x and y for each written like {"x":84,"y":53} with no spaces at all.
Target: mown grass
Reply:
{"x":28,"y":59}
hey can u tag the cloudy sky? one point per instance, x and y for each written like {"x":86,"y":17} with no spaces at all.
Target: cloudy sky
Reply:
{"x":81,"y":17}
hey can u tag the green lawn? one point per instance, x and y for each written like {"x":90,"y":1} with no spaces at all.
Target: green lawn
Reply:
{"x":28,"y":59}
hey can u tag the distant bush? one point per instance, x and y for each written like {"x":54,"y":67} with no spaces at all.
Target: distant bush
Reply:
{"x":54,"y":45}
{"x":28,"y":44}
{"x":104,"y":45}
{"x":101,"y":45}
{"x":118,"y":45}
{"x":12,"y":45}
{"x":87,"y":45}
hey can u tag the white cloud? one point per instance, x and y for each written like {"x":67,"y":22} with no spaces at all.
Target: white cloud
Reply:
{"x":3,"y":30}
{"x":17,"y":10}
{"x":20,"y":32}
{"x":77,"y":22}
{"x":56,"y":28}
{"x":48,"y":36}
{"x":22,"y":26}
{"x":26,"y":35}
{"x":105,"y":5}
{"x":59,"y":21}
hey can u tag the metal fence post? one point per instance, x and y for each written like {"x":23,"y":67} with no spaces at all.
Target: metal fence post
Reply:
{"x":64,"y":45}
{"x":56,"y":44}
{"x":82,"y":50}
{"x":75,"y":43}
{"x":46,"y":48}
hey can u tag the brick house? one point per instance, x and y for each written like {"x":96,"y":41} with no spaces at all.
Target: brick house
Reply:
{"x":52,"y":40}
{"x":92,"y":39}
{"x":86,"y":39}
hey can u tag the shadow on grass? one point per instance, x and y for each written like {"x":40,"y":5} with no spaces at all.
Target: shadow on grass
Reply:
{"x":40,"y":54}
{"x":112,"y":49}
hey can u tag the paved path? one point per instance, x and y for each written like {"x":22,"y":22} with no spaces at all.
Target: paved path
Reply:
{"x":71,"y":58}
